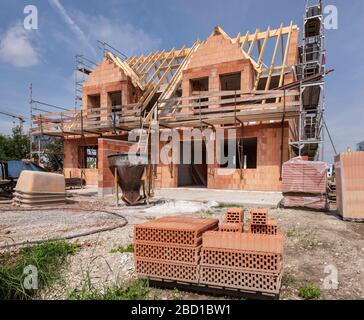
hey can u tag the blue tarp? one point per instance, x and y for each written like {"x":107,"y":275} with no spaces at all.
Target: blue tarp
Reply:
{"x":15,"y":167}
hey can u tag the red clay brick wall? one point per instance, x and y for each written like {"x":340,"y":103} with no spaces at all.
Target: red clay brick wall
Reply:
{"x":105,"y":176}
{"x":72,"y":162}
{"x":216,"y":50}
{"x":107,"y":77}
{"x":266,"y":176}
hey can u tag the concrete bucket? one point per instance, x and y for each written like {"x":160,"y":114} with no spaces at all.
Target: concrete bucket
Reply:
{"x":134,"y":176}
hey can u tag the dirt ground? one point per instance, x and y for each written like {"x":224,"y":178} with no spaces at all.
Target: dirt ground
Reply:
{"x":316,"y":245}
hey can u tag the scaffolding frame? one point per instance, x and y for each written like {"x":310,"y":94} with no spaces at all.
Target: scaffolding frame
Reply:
{"x":312,"y":93}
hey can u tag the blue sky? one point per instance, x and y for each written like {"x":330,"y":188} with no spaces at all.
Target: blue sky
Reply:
{"x":45,"y":56}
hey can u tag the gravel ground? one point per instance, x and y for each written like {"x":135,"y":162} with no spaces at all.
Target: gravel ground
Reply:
{"x":315,"y":242}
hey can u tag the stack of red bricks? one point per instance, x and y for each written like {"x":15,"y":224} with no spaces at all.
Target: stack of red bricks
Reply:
{"x":169,"y":248}
{"x":261,"y":224}
{"x":233,"y":221}
{"x":305,"y":184}
{"x":190,"y":250}
{"x":349,"y":173}
{"x":251,"y":261}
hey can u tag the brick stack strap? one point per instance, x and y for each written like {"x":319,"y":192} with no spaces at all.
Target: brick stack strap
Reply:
{"x":260,"y":224}
{"x":242,"y":261}
{"x":233,"y":221}
{"x":304,"y":184}
{"x":169,"y":248}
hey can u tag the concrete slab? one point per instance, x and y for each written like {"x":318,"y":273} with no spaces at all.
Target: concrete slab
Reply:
{"x":264,"y":199}
{"x":247,"y":198}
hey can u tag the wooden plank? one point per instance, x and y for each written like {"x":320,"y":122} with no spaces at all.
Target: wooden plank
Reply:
{"x":231,"y":100}
{"x":260,"y":58}
{"x":250,"y":51}
{"x":272,"y":33}
{"x":271,"y":68}
{"x":285,"y":55}
{"x":249,"y":93}
{"x":239,"y":107}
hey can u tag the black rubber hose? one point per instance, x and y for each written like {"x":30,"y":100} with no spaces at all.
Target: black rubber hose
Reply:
{"x":73,"y":236}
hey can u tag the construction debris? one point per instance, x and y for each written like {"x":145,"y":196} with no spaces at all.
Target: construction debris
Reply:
{"x":349,"y":169}
{"x":39,"y":188}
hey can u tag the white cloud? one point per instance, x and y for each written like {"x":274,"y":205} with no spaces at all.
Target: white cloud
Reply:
{"x":125,"y":37}
{"x":17,"y":48}
{"x":71,"y":23}
{"x":90,"y":28}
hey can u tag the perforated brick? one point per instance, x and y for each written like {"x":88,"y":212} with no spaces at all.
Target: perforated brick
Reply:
{"x":271,"y":228}
{"x":259,"y":216}
{"x":244,"y":260}
{"x":243,"y":241}
{"x":171,"y":253}
{"x":167,"y":270}
{"x":234,"y":215}
{"x":174,"y":230}
{"x":239,"y":279}
{"x":231,"y":227}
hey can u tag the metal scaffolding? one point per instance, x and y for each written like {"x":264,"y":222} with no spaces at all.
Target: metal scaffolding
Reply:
{"x":84,"y":67}
{"x":312,"y":96}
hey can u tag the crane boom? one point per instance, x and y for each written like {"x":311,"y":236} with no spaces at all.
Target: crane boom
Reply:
{"x":21,"y":118}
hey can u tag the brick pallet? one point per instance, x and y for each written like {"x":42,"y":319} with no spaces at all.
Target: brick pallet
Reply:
{"x":227,"y":260}
{"x":245,"y":261}
{"x":304,"y":184}
{"x":169,"y":247}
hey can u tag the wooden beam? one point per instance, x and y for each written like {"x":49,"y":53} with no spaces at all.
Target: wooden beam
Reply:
{"x":260,"y":58}
{"x":272,"y":33}
{"x":271,"y":68}
{"x":149,"y":69}
{"x":250,"y":51}
{"x":285,"y":56}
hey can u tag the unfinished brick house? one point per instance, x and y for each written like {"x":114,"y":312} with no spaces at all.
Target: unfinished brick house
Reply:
{"x":247,"y":82}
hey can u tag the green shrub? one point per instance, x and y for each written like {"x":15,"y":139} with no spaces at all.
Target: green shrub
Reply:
{"x":122,"y":249}
{"x":309,"y":292}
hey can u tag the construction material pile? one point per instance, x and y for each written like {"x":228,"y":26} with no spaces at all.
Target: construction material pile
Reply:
{"x":260,"y":224}
{"x":169,"y":247}
{"x":39,"y":188}
{"x":191,"y":250}
{"x":305,"y":184}
{"x":349,"y":173}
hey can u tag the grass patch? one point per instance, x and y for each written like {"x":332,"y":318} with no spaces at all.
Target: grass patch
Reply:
{"x":123,"y":249}
{"x":222,"y":205}
{"x":137,"y":290}
{"x":47,"y":257}
{"x":309,"y":292}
